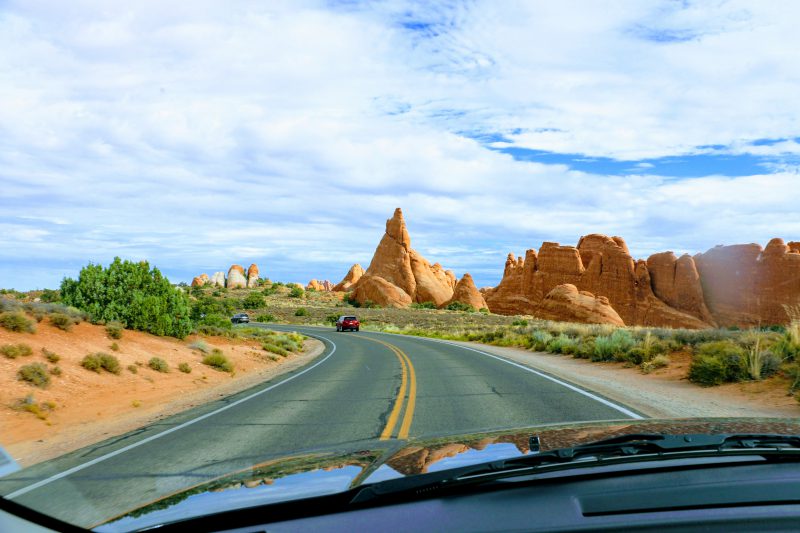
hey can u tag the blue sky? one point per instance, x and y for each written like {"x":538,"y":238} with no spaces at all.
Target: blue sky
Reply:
{"x":285,"y":133}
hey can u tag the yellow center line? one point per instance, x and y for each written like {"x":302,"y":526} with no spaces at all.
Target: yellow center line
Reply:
{"x":408,"y":380}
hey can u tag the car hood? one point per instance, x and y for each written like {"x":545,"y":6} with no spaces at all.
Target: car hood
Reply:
{"x":334,"y":470}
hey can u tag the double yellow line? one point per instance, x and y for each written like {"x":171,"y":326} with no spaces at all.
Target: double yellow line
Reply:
{"x":408,"y":384}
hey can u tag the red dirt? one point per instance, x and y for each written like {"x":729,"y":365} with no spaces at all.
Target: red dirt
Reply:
{"x":90,"y":406}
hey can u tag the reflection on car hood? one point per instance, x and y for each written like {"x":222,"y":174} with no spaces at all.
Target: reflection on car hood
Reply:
{"x":337,"y":470}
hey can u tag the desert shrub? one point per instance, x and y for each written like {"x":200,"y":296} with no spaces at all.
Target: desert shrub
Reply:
{"x":253,"y":300}
{"x":217,"y":360}
{"x":158,"y":364}
{"x":39,"y":409}
{"x":301,"y":311}
{"x":266,"y":317}
{"x":131,"y":293}
{"x":788,"y":346}
{"x":133,"y":369}
{"x":484,"y":310}
{"x":707,"y":370}
{"x":12,"y":351}
{"x":770,"y":364}
{"x":114,"y":329}
{"x":614,"y":346}
{"x":539,"y":340}
{"x":460,"y":306}
{"x":50,"y":296}
{"x":185,"y":368}
{"x":91,"y":362}
{"x":636,"y":355}
{"x":519,"y":322}
{"x":585,"y":349}
{"x":296,"y":292}
{"x":209,"y":305}
{"x":114,"y":347}
{"x":56,"y":371}
{"x":423,"y":305}
{"x":200,"y":345}
{"x":331,"y":319}
{"x":51,"y":356}
{"x":63,"y":321}
{"x":562,"y":344}
{"x":101,"y":361}
{"x":718,"y":362}
{"x":659,"y":361}
{"x":16,"y":321}
{"x":35,"y":373}
{"x":274,"y":348}
{"x":214,"y":324}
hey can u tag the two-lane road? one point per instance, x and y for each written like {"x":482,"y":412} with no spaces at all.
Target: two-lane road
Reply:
{"x":366,"y":388}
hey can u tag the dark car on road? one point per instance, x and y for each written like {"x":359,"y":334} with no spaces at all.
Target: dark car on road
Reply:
{"x":347,"y":322}
{"x":240,"y":318}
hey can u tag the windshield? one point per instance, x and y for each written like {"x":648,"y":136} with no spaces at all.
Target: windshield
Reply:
{"x":579,"y":217}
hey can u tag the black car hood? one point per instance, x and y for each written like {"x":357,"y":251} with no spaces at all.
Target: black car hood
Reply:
{"x":338,"y":470}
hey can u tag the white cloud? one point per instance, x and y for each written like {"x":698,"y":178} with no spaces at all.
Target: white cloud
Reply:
{"x":198,"y":135}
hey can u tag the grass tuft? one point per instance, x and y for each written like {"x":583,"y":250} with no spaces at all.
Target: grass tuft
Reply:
{"x":12,"y":351}
{"x":158,"y":364}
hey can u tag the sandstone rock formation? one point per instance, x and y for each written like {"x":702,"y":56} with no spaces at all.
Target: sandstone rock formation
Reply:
{"x":217,"y":280}
{"x":398,"y":275}
{"x":236,"y":279}
{"x":322,"y":286}
{"x":466,"y":293}
{"x":565,"y":302}
{"x":745,"y":286}
{"x":353,"y":275}
{"x":600,"y":265}
{"x":200,"y":280}
{"x":741,"y":285}
{"x":252,"y":276}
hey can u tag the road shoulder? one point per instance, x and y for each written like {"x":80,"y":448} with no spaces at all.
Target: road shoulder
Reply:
{"x":654,"y":395}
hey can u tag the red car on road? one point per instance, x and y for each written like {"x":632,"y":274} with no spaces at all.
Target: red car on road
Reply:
{"x":347,"y":322}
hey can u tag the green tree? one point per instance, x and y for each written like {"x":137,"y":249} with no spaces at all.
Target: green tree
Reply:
{"x":131,"y":293}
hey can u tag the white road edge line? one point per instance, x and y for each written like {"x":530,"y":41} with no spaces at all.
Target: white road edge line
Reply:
{"x":151,"y":438}
{"x":588,"y":394}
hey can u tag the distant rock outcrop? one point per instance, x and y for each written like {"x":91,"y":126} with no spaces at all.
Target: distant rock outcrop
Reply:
{"x":217,"y":280}
{"x":740,"y":285}
{"x":321,"y":286}
{"x":466,"y":293}
{"x":566,"y":303}
{"x":353,"y":275}
{"x":252,"y":276}
{"x":200,"y":280}
{"x":398,"y":275}
{"x":236,"y":278}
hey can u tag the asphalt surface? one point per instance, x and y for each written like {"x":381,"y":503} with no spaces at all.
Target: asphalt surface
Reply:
{"x":366,"y":389}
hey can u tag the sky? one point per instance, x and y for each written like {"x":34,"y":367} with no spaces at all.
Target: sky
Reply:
{"x":197,"y":135}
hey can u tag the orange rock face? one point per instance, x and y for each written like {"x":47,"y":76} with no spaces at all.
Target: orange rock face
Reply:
{"x":353,"y":275}
{"x":252,"y":276}
{"x":747,"y":286}
{"x":466,"y":293}
{"x":200,"y":280}
{"x":402,"y":274}
{"x":740,"y":285}
{"x":236,"y":279}
{"x":565,"y":302}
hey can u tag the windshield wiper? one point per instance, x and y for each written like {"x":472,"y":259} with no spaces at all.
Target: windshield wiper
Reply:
{"x":638,"y":446}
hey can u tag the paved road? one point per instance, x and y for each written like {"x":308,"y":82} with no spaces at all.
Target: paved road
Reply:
{"x":365,"y":388}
